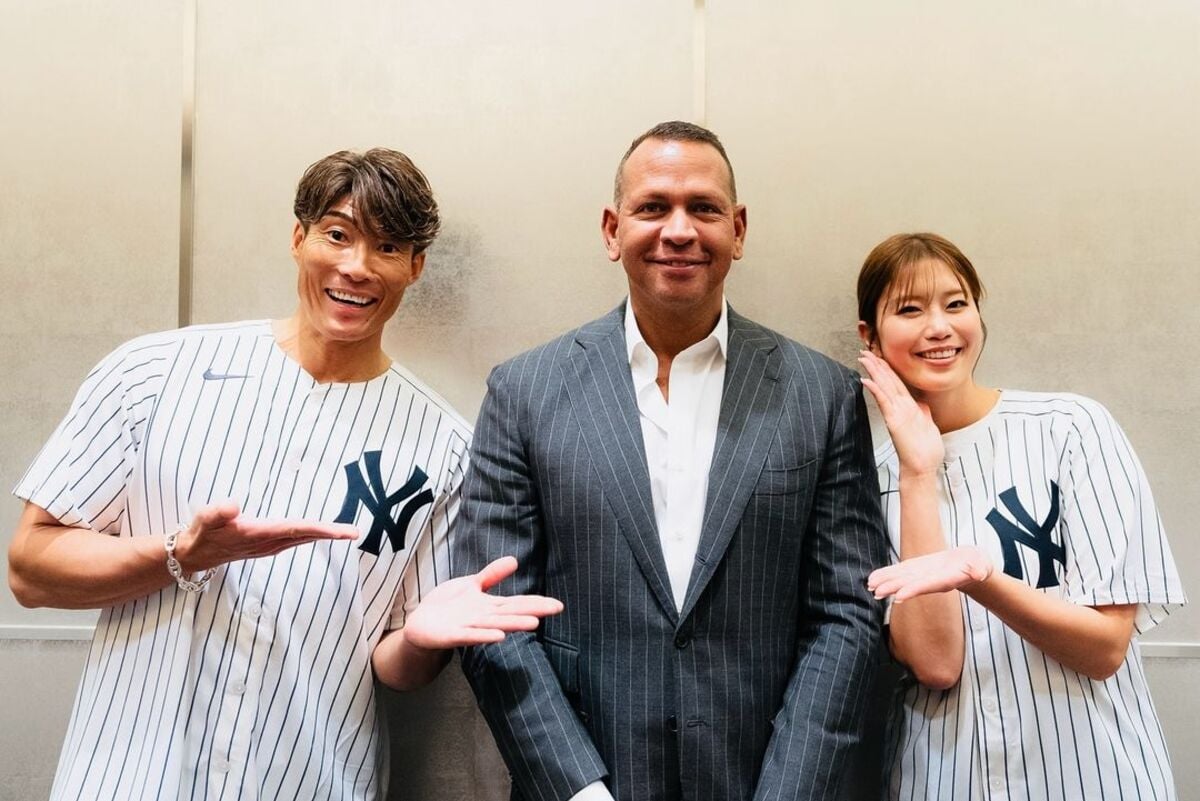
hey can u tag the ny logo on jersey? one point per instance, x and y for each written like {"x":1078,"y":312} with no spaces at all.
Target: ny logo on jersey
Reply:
{"x":373,"y":496}
{"x":1031,"y":534}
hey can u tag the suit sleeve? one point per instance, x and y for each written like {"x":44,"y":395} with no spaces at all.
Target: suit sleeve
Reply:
{"x":547,"y":750}
{"x":822,"y":713}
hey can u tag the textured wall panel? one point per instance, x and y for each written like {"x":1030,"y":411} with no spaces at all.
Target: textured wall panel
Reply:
{"x":89,"y":213}
{"x":1055,"y":144}
{"x":517,"y":112}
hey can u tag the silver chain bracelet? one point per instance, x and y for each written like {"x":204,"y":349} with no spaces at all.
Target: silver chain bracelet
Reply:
{"x":176,"y":570}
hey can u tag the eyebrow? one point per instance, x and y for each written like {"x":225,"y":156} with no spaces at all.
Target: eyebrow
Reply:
{"x":339,"y":214}
{"x":659,"y":194}
{"x":906,"y":297}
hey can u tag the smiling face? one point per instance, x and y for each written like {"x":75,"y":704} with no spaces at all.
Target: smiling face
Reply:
{"x":928,"y":329}
{"x":677,"y":229}
{"x":350,"y":283}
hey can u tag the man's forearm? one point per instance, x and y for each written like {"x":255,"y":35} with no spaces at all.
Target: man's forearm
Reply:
{"x":53,"y":565}
{"x":403,"y":666}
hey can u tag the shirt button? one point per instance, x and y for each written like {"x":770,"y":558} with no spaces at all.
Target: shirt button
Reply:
{"x":989,"y":705}
{"x":997,"y":783}
{"x":979,"y":622}
{"x":252,"y":609}
{"x":220,"y":765}
{"x":237,"y":687}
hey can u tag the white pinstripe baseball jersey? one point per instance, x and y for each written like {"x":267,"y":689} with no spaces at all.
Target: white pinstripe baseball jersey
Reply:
{"x":260,"y":687}
{"x":1050,"y":487}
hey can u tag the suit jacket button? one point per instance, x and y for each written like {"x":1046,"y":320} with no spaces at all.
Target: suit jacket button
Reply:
{"x":672,"y":724}
{"x":682,"y":641}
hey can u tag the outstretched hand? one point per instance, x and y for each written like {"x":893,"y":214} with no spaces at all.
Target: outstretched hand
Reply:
{"x":954,"y":569}
{"x":220,"y":534}
{"x":917,"y":439}
{"x":462,"y":612}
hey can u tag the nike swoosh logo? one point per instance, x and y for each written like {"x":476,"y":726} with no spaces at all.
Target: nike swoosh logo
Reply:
{"x":209,"y":375}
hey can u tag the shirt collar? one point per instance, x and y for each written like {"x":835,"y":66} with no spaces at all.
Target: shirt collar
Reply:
{"x":633,"y":335}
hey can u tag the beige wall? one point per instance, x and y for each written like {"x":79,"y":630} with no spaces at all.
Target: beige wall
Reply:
{"x":1056,"y":143}
{"x":89,"y":210}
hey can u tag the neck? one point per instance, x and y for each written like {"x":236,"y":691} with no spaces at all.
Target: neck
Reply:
{"x":959,"y":408}
{"x":326,"y":360}
{"x":668,"y":334}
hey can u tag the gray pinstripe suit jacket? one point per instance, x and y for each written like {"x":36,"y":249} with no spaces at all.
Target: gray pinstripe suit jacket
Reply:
{"x":757,"y":688}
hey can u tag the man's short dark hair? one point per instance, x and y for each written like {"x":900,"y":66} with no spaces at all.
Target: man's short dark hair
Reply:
{"x":675,"y":131}
{"x":391,"y":197}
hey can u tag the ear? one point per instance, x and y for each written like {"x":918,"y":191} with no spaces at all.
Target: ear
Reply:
{"x":415,"y":267}
{"x":866,"y":335}
{"x":608,"y":229}
{"x":298,"y":234}
{"x":739,"y":230}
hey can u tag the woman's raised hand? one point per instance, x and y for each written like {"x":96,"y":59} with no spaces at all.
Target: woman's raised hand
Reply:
{"x":917,"y":439}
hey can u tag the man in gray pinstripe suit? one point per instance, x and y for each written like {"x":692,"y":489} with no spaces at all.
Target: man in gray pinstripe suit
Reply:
{"x":700,"y":493}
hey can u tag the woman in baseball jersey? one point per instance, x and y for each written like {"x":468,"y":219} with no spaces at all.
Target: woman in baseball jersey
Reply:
{"x":1028,"y":556}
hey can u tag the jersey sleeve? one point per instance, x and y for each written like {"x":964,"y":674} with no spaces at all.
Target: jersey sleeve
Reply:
{"x":1118,"y":551}
{"x":429,"y":558}
{"x":81,"y":474}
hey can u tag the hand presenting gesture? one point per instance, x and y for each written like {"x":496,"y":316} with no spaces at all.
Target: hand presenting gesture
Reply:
{"x":462,"y":612}
{"x":955,"y":569}
{"x":219,"y":534}
{"x":918,"y":441}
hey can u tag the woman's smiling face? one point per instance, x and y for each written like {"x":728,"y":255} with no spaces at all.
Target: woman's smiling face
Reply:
{"x":928,"y":329}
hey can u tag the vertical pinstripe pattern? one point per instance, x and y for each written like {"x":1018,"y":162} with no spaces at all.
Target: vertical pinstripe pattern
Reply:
{"x":756,"y":688}
{"x":1019,"y":725}
{"x":259,"y":687}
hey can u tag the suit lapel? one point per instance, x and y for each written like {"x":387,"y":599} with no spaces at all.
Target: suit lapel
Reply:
{"x":750,"y":407}
{"x":605,"y":406}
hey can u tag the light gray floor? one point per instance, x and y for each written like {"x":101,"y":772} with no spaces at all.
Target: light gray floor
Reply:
{"x":441,"y":748}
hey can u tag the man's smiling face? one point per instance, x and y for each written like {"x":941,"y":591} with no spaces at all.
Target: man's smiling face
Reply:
{"x":677,"y":229}
{"x":350,"y":282}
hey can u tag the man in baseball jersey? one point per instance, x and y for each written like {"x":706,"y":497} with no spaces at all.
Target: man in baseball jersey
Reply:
{"x":699,"y":491}
{"x":257,"y":509}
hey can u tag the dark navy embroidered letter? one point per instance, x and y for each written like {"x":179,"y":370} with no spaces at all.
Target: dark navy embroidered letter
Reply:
{"x":1031,"y":534}
{"x":375,"y":498}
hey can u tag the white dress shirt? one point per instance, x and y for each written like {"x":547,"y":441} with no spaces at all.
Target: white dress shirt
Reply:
{"x":679,"y":436}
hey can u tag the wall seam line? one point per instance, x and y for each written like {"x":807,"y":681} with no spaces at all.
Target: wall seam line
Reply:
{"x":187,"y":190}
{"x":699,"y":61}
